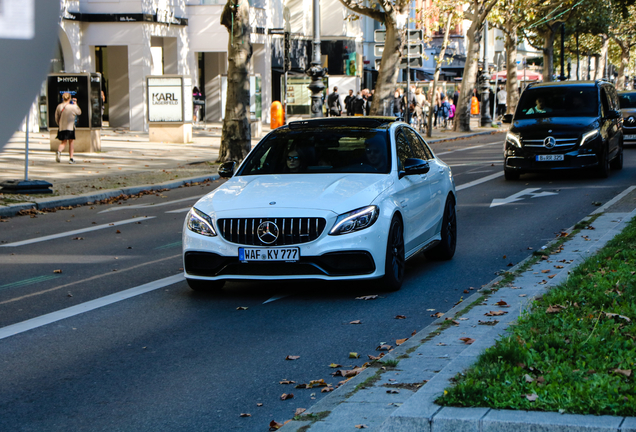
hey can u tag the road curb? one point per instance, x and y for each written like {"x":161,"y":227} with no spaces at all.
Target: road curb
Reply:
{"x":439,"y":140}
{"x":90,"y":197}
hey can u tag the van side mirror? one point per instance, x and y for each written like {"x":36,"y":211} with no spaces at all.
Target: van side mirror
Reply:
{"x":507,"y":118}
{"x":226,"y":170}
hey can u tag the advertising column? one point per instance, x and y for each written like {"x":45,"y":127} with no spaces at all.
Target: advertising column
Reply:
{"x":170,"y":108}
{"x":86,"y":88}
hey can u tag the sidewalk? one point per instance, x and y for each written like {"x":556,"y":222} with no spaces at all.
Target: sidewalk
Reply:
{"x":127,"y":164}
{"x":400,"y":398}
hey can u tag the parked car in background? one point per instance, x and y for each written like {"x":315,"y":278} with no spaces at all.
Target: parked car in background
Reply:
{"x":627,"y":100}
{"x":339,"y":198}
{"x":565,"y":125}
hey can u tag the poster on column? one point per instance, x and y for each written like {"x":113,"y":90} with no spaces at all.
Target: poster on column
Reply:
{"x":165,"y":101}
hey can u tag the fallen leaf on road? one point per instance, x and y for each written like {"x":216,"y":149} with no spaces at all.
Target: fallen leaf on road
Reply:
{"x":361,"y":426}
{"x":463,"y":319}
{"x":467,"y":340}
{"x":532,"y":397}
{"x":384,"y":347}
{"x":259,"y":404}
{"x":317,"y":383}
{"x":400,"y":317}
{"x":430,"y":310}
{"x":375,"y":357}
{"x":286,"y":396}
{"x":299,"y":411}
{"x":274,"y":425}
{"x":118,"y":232}
{"x":245,"y":415}
{"x":393,"y":391}
{"x":334,"y":365}
{"x":326,"y":389}
{"x":626,"y":372}
{"x":287,"y":382}
{"x":241,"y":308}
{"x":493,"y":322}
{"x":401,"y":341}
{"x":369,"y":297}
{"x":291,"y":357}
{"x":495,"y":313}
{"x":438,"y":315}
{"x":502,"y":303}
{"x":441,"y":344}
{"x":522,"y":295}
{"x":348,"y":373}
{"x":78,"y":238}
{"x":356,"y":322}
{"x":354,"y":355}
{"x":57,"y":271}
{"x":466,"y":291}
{"x":558,"y":266}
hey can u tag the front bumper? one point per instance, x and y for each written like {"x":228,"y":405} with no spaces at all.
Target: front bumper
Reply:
{"x":357,"y":255}
{"x":525,"y":159}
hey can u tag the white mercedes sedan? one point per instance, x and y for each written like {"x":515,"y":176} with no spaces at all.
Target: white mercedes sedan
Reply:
{"x":345,"y":198}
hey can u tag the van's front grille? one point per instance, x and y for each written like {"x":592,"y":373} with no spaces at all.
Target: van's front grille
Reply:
{"x":560,"y":142}
{"x":290,"y":230}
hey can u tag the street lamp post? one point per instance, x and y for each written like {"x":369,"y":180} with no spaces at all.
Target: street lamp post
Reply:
{"x":562,"y":76}
{"x":486,"y":120}
{"x":316,"y":71}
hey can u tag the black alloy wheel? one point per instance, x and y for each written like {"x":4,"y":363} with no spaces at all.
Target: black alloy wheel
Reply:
{"x":394,"y":263}
{"x":617,"y":162}
{"x":604,"y":164}
{"x":445,"y":249}
{"x":206,"y":286}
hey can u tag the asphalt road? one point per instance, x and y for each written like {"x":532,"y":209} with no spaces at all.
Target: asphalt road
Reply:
{"x":83,"y":350}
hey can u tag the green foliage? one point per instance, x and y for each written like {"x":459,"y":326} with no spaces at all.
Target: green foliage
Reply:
{"x":575,"y":360}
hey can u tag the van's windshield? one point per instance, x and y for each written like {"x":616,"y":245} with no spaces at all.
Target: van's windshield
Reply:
{"x":570,"y":101}
{"x":627,"y":100}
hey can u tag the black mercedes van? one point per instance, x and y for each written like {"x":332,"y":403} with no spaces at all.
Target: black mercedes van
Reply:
{"x":565,"y":125}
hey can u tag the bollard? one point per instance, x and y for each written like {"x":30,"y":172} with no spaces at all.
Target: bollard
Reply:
{"x":277,"y":116}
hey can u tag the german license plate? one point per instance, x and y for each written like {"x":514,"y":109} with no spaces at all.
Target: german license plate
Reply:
{"x":269,"y":254}
{"x":630,"y":137}
{"x":550,"y":158}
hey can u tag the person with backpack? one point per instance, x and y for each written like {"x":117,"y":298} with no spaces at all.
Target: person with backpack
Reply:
{"x":451,"y":115}
{"x":444,"y":111}
{"x":333,"y":101}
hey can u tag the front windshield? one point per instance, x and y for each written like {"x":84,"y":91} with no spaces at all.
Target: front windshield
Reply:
{"x":570,"y":101}
{"x":627,"y":100}
{"x":315,"y":151}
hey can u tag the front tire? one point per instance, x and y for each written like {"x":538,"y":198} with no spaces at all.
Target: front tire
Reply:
{"x":394,"y":262}
{"x":617,"y":162}
{"x":205,"y":286}
{"x":604,"y":164}
{"x":445,"y":250}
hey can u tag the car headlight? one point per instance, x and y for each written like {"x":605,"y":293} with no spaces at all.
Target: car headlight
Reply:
{"x":589,"y":136}
{"x":355,"y":220}
{"x":200,"y":223}
{"x":514,"y":139}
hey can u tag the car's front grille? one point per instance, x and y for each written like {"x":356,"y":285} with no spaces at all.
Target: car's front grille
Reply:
{"x":290,"y":230}
{"x":560,"y":142}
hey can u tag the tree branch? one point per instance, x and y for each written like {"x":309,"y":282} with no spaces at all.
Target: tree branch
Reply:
{"x":525,"y":36}
{"x":365,"y":10}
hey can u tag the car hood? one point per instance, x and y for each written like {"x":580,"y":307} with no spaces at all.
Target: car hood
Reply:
{"x":553,"y":126}
{"x":334,"y":192}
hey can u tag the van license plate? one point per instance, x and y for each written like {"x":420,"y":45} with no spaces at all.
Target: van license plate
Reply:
{"x":630,"y":137}
{"x":269,"y":254}
{"x":549,"y":158}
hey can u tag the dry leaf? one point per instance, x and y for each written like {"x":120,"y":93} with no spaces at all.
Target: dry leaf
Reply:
{"x":361,"y":426}
{"x":441,"y":344}
{"x":545,"y":271}
{"x":259,"y":404}
{"x":384,"y":348}
{"x":354,"y":355}
{"x":334,"y":365}
{"x":356,"y":322}
{"x":522,"y":295}
{"x":57,"y":271}
{"x":528,"y":378}
{"x":78,"y":238}
{"x":532,"y":397}
{"x":286,"y":396}
{"x":299,"y":411}
{"x":541,"y":380}
{"x":495,"y":313}
{"x":245,"y":415}
{"x":551,"y":276}
{"x":401,"y":341}
{"x":274,"y":425}
{"x":287,"y":382}
{"x":607,"y":314}
{"x":438,"y":315}
{"x":291,"y":357}
{"x":118,"y":232}
{"x":317,"y":383}
{"x":326,"y":389}
{"x":393,"y":391}
{"x":375,"y":357}
{"x":555,"y":308}
{"x":467,"y":340}
{"x":502,"y":303}
{"x":241,"y":308}
{"x":626,"y":372}
{"x":400,"y":317}
{"x":492,"y":323}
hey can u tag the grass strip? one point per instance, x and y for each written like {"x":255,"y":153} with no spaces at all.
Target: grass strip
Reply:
{"x":574,"y":352}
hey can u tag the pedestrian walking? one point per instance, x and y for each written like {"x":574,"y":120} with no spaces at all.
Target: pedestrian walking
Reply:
{"x":65,"y":115}
{"x":451,"y":114}
{"x":397,"y":104}
{"x":502,"y":95}
{"x":444,"y":112}
{"x":359,"y":105}
{"x":348,"y":100}
{"x":196,"y":98}
{"x":333,"y":102}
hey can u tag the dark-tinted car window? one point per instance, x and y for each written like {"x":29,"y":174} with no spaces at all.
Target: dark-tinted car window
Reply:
{"x":418,"y":147}
{"x":403,"y":148}
{"x":627,"y":100}
{"x":569,"y":101}
{"x":315,"y":151}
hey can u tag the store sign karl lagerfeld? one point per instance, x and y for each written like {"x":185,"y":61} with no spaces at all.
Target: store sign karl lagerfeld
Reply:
{"x":164,"y":100}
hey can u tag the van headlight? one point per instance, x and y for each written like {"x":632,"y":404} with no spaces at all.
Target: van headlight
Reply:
{"x":355,"y":220}
{"x":200,"y":223}
{"x":513,"y":139}
{"x":589,"y":136}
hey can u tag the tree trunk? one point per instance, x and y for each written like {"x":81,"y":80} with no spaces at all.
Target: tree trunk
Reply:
{"x":236,"y":136}
{"x":620,"y":81}
{"x":462,"y":111}
{"x":549,"y":35}
{"x":512,"y":98}
{"x":600,"y":66}
{"x":438,"y":67}
{"x":389,"y":64}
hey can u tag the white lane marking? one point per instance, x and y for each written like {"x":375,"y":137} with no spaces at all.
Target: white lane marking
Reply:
{"x":43,"y":320}
{"x":138,"y":206}
{"x":79,"y":231}
{"x":479,"y":181}
{"x":519,"y":196}
{"x":468,"y":148}
{"x":276,"y":298}
{"x":181,"y":210}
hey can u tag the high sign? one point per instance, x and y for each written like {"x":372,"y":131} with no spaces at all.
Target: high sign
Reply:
{"x":379,"y":36}
{"x":413,"y":62}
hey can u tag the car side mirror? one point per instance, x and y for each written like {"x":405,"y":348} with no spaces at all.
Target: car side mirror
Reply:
{"x":507,"y":118}
{"x":226,"y":170}
{"x":613,"y":114}
{"x":415,"y":166}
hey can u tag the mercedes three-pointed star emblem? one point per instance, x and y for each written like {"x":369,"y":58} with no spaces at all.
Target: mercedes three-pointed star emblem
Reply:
{"x":267,"y":232}
{"x":549,"y":142}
